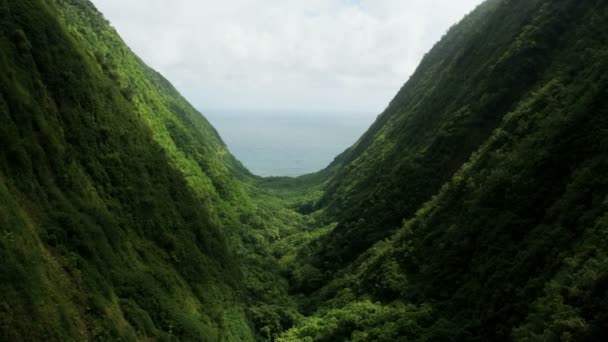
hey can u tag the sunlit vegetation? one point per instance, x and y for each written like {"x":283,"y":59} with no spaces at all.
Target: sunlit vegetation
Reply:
{"x":123,"y":215}
{"x":473,"y":209}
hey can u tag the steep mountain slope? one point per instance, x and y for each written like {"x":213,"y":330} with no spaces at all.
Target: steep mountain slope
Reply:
{"x":461,"y":91}
{"x":122,"y":214}
{"x":473,"y":209}
{"x":513,"y":244}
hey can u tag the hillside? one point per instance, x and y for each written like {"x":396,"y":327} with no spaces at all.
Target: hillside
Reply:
{"x":123,"y":214}
{"x":483,"y":186}
{"x":482,"y":69}
{"x":473,"y":209}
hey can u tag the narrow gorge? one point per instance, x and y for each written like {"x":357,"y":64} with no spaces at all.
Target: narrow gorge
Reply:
{"x":475,"y":208}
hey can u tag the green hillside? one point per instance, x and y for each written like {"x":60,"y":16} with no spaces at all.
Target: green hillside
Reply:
{"x":122,"y":215}
{"x":473,"y":209}
{"x":482,"y":69}
{"x":484,"y":188}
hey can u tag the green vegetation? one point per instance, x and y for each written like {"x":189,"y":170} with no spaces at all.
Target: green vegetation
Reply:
{"x":122,"y":215}
{"x":481,"y":191}
{"x":475,"y":208}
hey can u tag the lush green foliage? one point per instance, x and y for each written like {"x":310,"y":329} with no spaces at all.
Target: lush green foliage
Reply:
{"x":473,"y":209}
{"x":505,"y":124}
{"x":122,"y":213}
{"x":459,"y":94}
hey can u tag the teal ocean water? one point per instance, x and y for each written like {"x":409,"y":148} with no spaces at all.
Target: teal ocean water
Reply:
{"x":288,"y":144}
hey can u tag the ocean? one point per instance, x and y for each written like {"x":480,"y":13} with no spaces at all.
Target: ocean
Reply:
{"x":288,"y":144}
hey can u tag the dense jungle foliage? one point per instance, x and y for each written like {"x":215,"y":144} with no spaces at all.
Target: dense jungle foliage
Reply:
{"x":123,"y":215}
{"x":474,"y":208}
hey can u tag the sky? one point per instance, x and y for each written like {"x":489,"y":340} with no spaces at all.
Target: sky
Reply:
{"x":285,"y":55}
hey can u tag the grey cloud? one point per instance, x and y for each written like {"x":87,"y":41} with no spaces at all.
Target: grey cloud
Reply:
{"x":314,"y":55}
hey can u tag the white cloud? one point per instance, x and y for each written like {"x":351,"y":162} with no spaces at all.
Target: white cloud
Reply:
{"x":291,"y":55}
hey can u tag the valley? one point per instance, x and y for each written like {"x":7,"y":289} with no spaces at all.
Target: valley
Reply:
{"x":473,"y":209}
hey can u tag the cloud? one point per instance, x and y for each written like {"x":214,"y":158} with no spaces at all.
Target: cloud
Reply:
{"x":285,"y":55}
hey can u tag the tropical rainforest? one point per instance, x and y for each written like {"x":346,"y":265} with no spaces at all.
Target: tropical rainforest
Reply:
{"x":475,"y":208}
